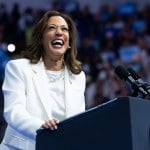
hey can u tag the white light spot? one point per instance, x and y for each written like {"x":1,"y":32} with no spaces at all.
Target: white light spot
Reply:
{"x":11,"y":47}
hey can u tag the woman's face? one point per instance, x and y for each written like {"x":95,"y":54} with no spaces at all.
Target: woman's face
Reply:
{"x":56,"y":37}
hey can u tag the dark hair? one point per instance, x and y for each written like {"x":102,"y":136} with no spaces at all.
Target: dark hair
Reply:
{"x":35,"y":51}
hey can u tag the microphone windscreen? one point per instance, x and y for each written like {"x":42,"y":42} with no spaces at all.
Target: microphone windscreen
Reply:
{"x":121,"y":72}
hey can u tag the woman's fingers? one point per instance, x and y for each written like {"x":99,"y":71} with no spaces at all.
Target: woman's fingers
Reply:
{"x":52,"y":124}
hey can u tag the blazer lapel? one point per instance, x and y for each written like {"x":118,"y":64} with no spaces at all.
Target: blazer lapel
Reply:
{"x":70,"y":94}
{"x":41,"y":85}
{"x":68,"y":83}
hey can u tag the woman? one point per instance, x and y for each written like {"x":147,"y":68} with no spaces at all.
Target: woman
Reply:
{"x":46,"y":86}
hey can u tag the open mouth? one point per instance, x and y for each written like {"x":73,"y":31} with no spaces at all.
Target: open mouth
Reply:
{"x":58,"y":43}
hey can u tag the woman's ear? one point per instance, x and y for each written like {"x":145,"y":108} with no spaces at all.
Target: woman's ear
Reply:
{"x":69,"y":47}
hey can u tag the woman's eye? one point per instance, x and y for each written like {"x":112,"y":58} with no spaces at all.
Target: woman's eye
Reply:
{"x":65,"y":29}
{"x":51,"y":28}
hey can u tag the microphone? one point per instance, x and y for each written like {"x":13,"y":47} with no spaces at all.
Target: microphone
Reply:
{"x":135,"y":75}
{"x":138,"y":78}
{"x":126,"y":76}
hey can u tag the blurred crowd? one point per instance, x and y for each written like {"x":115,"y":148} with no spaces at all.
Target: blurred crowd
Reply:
{"x":109,"y":37}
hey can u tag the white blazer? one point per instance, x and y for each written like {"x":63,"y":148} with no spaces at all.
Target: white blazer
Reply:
{"x":26,"y":99}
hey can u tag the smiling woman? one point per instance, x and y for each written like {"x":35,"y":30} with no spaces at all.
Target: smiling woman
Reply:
{"x":55,"y":40}
{"x":44,"y":87}
{"x":54,"y":26}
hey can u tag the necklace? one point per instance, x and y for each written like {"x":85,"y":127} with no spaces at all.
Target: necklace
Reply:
{"x":55,"y":76}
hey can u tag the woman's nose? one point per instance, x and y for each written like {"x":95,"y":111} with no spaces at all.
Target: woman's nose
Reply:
{"x":58,"y":31}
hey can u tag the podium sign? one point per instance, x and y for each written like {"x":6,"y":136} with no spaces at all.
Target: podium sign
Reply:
{"x":120,"y":124}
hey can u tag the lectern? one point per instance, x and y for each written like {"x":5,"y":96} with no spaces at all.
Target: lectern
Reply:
{"x":120,"y":124}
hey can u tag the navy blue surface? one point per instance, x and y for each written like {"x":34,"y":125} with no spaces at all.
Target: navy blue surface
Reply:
{"x":105,"y":127}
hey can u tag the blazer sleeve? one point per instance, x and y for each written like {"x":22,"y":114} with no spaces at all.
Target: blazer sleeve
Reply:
{"x":15,"y":111}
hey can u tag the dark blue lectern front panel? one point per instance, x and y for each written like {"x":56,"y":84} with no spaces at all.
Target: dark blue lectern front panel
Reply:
{"x":105,"y":127}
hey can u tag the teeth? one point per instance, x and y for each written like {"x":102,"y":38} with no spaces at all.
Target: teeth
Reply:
{"x":57,"y":42}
